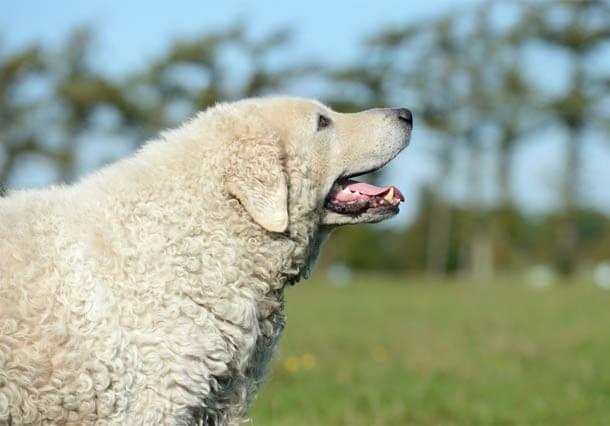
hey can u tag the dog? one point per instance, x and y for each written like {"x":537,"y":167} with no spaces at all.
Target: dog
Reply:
{"x":152,"y":291}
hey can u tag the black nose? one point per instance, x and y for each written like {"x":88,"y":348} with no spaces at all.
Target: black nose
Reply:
{"x":405,"y":115}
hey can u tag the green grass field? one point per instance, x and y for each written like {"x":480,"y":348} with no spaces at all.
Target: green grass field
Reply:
{"x":385,"y":351}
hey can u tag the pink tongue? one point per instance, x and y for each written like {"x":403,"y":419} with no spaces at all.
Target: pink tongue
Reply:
{"x":372,"y":190}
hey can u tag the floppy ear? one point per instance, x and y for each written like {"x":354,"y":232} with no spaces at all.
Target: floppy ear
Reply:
{"x":255,"y":176}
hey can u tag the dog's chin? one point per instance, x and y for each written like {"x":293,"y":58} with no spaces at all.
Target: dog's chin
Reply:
{"x":332,"y":218}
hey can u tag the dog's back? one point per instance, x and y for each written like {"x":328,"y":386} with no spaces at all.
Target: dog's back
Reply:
{"x":28,"y":229}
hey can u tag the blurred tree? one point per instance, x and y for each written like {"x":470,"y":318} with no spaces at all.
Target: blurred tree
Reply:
{"x":466,"y":77}
{"x":16,"y":138}
{"x":421,"y":63}
{"x":83,"y":104}
{"x":197,"y":73}
{"x":579,"y":27}
{"x":83,"y":94}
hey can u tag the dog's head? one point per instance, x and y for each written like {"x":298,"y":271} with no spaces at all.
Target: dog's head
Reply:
{"x":297,"y":150}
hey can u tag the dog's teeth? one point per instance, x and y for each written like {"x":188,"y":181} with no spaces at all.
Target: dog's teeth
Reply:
{"x":390,"y":195}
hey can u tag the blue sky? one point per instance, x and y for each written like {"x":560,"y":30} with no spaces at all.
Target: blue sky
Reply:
{"x":130,"y":33}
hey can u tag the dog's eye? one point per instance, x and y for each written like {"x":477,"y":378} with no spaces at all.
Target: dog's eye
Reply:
{"x":323,"y":122}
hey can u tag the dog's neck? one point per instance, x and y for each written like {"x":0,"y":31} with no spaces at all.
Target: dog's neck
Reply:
{"x":232,"y":268}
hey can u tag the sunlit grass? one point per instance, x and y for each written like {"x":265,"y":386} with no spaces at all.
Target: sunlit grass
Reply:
{"x":385,"y":351}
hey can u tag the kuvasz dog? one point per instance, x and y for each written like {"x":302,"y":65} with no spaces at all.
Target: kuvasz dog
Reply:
{"x":152,"y":291}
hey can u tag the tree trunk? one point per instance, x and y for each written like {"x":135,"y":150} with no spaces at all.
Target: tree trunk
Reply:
{"x":505,"y":167}
{"x":439,"y":225}
{"x":481,"y":256}
{"x":477,"y":258}
{"x":567,"y":242}
{"x":439,"y":231}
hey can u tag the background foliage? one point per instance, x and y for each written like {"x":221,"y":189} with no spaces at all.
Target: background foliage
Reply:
{"x":463,"y":74}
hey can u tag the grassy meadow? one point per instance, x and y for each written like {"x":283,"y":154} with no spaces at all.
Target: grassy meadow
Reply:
{"x":396,"y":351}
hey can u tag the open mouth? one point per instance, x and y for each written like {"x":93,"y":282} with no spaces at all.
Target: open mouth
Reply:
{"x":351,"y":197}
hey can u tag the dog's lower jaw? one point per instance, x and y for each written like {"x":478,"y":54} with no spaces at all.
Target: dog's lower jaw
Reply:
{"x":331,"y":218}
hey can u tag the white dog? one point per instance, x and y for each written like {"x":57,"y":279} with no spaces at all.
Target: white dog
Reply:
{"x":152,"y":291}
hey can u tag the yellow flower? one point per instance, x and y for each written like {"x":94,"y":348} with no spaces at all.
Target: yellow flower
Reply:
{"x":380,"y":355}
{"x":308,"y":361}
{"x":292,"y":363}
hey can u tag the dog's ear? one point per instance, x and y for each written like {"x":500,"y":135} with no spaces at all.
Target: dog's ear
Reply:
{"x":255,"y":176}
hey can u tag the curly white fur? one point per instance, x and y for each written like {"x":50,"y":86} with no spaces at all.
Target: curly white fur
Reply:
{"x":149,"y":293}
